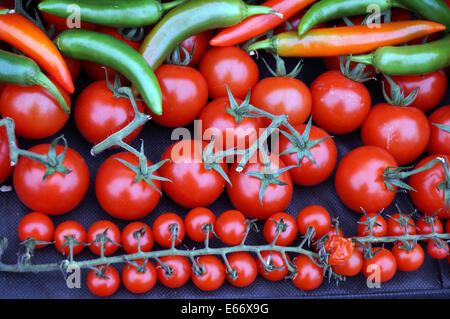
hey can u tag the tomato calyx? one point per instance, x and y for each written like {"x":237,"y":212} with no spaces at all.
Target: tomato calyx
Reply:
{"x":132,"y":34}
{"x":102,"y":239}
{"x":140,"y":267}
{"x":210,"y":161}
{"x":357,"y":73}
{"x":174,"y":58}
{"x":280,"y":68}
{"x":442,"y":127}
{"x":239,"y":111}
{"x":397,"y":95}
{"x":445,"y":185}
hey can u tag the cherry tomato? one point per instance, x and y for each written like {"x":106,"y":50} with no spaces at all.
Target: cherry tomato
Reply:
{"x":5,"y":162}
{"x":428,"y":198}
{"x":339,"y":248}
{"x":324,"y":154}
{"x":287,"y":233}
{"x":192,"y":184}
{"x":62,"y":24}
{"x":315,"y":216}
{"x":231,"y":227}
{"x":112,"y":233}
{"x":339,"y":105}
{"x":106,"y":284}
{"x":199,"y":43}
{"x":244,"y":190}
{"x":38,"y":226}
{"x":275,"y":259}
{"x":382,"y":267}
{"x":394,"y":228}
{"x":426,"y":224}
{"x":212,"y":275}
{"x":309,"y":276}
{"x":352,"y":266}
{"x":439,"y":139}
{"x":98,"y":113}
{"x":403,"y":131}
{"x":195,"y":221}
{"x":359,"y":181}
{"x":184,"y":94}
{"x":408,"y":260}
{"x":245,"y":268}
{"x":73,"y":229}
{"x":378,"y":230}
{"x":283,"y":95}
{"x":129,"y":238}
{"x":437,"y":252}
{"x":228,"y":66}
{"x":117,"y":192}
{"x":432,"y":87}
{"x":166,"y":226}
{"x":139,"y":281}
{"x":59,"y":193}
{"x":179,"y":273}
{"x":35,"y":112}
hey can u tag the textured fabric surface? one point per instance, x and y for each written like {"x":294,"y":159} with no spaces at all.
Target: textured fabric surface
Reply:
{"x":431,"y":280}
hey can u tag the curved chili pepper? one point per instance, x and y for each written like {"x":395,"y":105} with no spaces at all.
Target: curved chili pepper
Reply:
{"x":411,"y":59}
{"x":256,"y":25}
{"x":346,"y":40}
{"x":114,"y":13}
{"x":106,"y":50}
{"x":434,"y":10}
{"x":33,"y":42}
{"x":20,"y":70}
{"x":193,"y":17}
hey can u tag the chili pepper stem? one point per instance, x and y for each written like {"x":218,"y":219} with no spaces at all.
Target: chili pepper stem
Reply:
{"x":366,"y":58}
{"x":42,"y":80}
{"x":166,"y":6}
{"x":267,"y":44}
{"x":250,"y":10}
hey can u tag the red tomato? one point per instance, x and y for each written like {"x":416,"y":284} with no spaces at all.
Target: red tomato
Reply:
{"x":432,"y":87}
{"x":5,"y":162}
{"x":112,"y":233}
{"x":426,"y":224}
{"x":428,"y":198}
{"x":245,"y":268}
{"x":287,"y":233}
{"x":245,"y":189}
{"x":166,"y":226}
{"x":212,"y":275}
{"x":179,"y":272}
{"x":184,"y":94}
{"x":214,"y":120}
{"x":378,"y":230}
{"x":139,"y":281}
{"x":359,"y":181}
{"x":231,"y":227}
{"x":199,"y":43}
{"x":403,"y":131}
{"x":381,"y":267}
{"x":339,"y":248}
{"x":104,"y":285}
{"x":275,"y":259}
{"x":315,"y":216}
{"x":62,"y":24}
{"x":324,"y":154}
{"x":352,"y":266}
{"x":129,"y":238}
{"x":192,"y":184}
{"x":195,"y":221}
{"x":439,"y":139}
{"x":309,"y":276}
{"x":35,"y":112}
{"x":38,"y":226}
{"x":228,"y":66}
{"x":283,"y":95}
{"x":117,"y":192}
{"x":339,"y":105}
{"x":59,"y":193}
{"x":73,"y":229}
{"x":437,"y":252}
{"x":408,"y":260}
{"x":394,"y":228}
{"x":98,"y":114}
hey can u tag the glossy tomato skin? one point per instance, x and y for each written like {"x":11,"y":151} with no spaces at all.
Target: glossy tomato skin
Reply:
{"x":403,"y":131}
{"x":432,"y":87}
{"x":246,"y":269}
{"x":230,"y":66}
{"x":59,"y":193}
{"x":352,"y":266}
{"x":184,"y":95}
{"x":385,"y":261}
{"x":230,"y":227}
{"x":309,"y":276}
{"x":324,"y":154}
{"x":276,"y":259}
{"x":439,"y":139}
{"x":428,"y":198}
{"x":426,"y":226}
{"x":408,"y":260}
{"x":112,"y":232}
{"x":212,"y":277}
{"x":67,"y":229}
{"x":5,"y":162}
{"x":162,"y":229}
{"x":339,"y":105}
{"x":117,"y":192}
{"x":35,"y":112}
{"x":181,"y":270}
{"x":437,"y":252}
{"x":378,"y":230}
{"x":130,"y":242}
{"x":195,"y":221}
{"x":244,"y":190}
{"x":199,"y":43}
{"x":315,"y":216}
{"x":104,"y":287}
{"x":192,"y":184}
{"x":359,"y":180}
{"x":215,"y":121}
{"x":98,"y":114}
{"x":283,"y":95}
{"x":286,"y":237}
{"x":139,"y":282}
{"x":38,"y":226}
{"x":394,"y":228}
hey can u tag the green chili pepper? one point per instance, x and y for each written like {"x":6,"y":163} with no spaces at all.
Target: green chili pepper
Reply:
{"x":434,"y":10}
{"x":116,"y":54}
{"x":114,"y":13}
{"x":20,"y":70}
{"x":191,"y":18}
{"x":409,"y":60}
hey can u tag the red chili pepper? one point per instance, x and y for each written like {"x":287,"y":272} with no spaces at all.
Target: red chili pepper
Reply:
{"x":256,"y":25}
{"x":21,"y":33}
